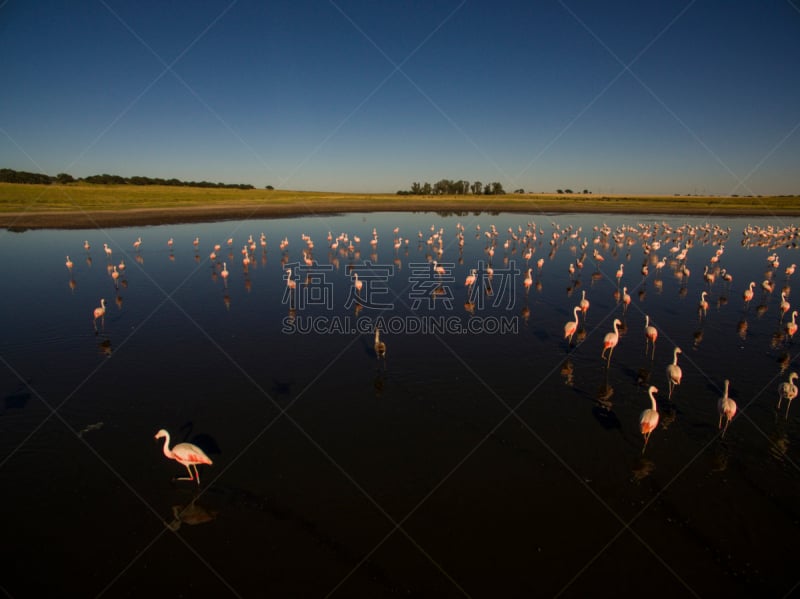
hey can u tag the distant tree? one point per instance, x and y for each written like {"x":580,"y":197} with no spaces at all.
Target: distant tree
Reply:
{"x":559,"y":191}
{"x":8,"y":175}
{"x":65,"y":178}
{"x":586,"y":192}
{"x":497,"y":188}
{"x":520,"y":190}
{"x":270,"y":187}
{"x":477,"y":187}
{"x":427,"y":189}
{"x":416,"y":188}
{"x":568,"y":191}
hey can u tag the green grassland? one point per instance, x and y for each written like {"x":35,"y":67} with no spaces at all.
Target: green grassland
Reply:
{"x":81,"y":204}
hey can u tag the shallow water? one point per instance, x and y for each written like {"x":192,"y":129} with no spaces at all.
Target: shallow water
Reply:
{"x":479,"y":463}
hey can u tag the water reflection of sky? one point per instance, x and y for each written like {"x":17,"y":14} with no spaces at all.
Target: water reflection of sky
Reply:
{"x":290,"y":412}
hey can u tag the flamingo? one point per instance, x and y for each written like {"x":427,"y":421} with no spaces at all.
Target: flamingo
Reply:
{"x":68,"y":263}
{"x":703,"y":305}
{"x":224,"y":272}
{"x":470,"y":280}
{"x":651,"y":333}
{"x":86,"y":245}
{"x":584,"y":304}
{"x":791,"y":327}
{"x":290,"y":282}
{"x":790,"y":270}
{"x":571,"y":326}
{"x":137,"y":244}
{"x":108,"y":250}
{"x":726,"y":407}
{"x":380,"y":346}
{"x":610,"y":341}
{"x":674,"y":372}
{"x":748,"y":293}
{"x":99,"y":312}
{"x":626,"y":299}
{"x":784,"y":304}
{"x":115,"y":275}
{"x":528,"y":280}
{"x":648,"y":419}
{"x":789,"y":391}
{"x":188,"y":454}
{"x":619,"y":272}
{"x":357,"y":284}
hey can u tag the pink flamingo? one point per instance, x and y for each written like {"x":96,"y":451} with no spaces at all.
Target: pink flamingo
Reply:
{"x":99,"y":312}
{"x":584,"y":304}
{"x":626,"y":299}
{"x":651,"y":333}
{"x":380,"y":346}
{"x":674,"y":372}
{"x":726,"y":407}
{"x":610,"y":341}
{"x":784,"y":304}
{"x":290,"y":282}
{"x":528,"y":280}
{"x":470,"y":280}
{"x":188,"y":454}
{"x":748,"y":293}
{"x":68,"y":263}
{"x":648,"y":419}
{"x":703,"y":305}
{"x":137,"y":244}
{"x":791,"y":327}
{"x":357,"y":284}
{"x":224,"y":272}
{"x":571,"y":326}
{"x":789,"y":391}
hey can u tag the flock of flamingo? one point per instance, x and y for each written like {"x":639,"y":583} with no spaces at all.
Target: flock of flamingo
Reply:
{"x":663,"y":247}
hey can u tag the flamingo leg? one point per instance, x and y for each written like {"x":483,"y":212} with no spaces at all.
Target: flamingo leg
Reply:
{"x":191,"y":477}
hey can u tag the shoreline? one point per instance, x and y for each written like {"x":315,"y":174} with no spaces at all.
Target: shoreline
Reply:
{"x":93,"y":219}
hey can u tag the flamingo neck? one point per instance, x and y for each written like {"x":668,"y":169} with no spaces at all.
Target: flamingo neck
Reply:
{"x":653,"y":405}
{"x":675,"y":357}
{"x":166,"y":449}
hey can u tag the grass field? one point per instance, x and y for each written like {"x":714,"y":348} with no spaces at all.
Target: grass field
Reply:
{"x":81,"y":205}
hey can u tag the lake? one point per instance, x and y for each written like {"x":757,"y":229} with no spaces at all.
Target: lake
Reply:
{"x":484,"y":455}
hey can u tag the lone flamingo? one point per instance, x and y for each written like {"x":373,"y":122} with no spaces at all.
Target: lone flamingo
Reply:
{"x":726,"y":407}
{"x":791,"y":327}
{"x":584,"y":304}
{"x":784,"y":304}
{"x":610,"y":341}
{"x":380,"y":346}
{"x":674,"y":372}
{"x":528,"y":281}
{"x":789,"y":391}
{"x":703,"y":305}
{"x":99,"y":312}
{"x":571,"y":326}
{"x":651,"y":333}
{"x":68,"y":263}
{"x":188,"y":454}
{"x":748,"y":293}
{"x":648,"y":419}
{"x":470,"y":280}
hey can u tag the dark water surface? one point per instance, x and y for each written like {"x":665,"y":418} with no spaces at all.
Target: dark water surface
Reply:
{"x":496,"y":462}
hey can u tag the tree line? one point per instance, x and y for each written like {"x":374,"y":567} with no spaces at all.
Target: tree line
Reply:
{"x":8,"y":175}
{"x":450,"y":187}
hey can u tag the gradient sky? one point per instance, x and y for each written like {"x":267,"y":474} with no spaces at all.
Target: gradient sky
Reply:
{"x":369,"y":96}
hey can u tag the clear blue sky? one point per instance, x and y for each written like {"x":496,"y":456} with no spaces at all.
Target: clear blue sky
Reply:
{"x":372,"y":95}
